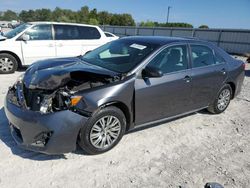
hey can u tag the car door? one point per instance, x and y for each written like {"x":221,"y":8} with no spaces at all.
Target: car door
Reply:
{"x":40,"y":44}
{"x":75,"y":40}
{"x":169,"y":95}
{"x":68,"y":43}
{"x":90,"y":38}
{"x":208,"y":75}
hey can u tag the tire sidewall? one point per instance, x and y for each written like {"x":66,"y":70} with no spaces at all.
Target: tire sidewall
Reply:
{"x":217,"y":111}
{"x":13,"y":59}
{"x":84,"y":137}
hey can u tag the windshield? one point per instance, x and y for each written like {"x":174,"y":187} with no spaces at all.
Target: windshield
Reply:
{"x":121,"y":55}
{"x":16,"y":31}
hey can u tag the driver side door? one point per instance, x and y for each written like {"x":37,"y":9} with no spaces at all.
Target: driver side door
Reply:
{"x":166,"y":96}
{"x":40,"y":44}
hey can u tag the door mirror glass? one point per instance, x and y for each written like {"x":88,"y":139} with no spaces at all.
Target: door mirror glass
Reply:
{"x":151,"y":72}
{"x":25,"y":37}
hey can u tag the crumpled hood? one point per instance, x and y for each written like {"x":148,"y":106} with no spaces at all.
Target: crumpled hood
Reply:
{"x":54,"y":73}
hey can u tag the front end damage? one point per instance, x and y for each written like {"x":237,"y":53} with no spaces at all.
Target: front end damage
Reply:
{"x":44,"y":107}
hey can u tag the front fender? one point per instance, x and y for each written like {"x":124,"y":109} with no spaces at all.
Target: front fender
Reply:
{"x":120,"y":91}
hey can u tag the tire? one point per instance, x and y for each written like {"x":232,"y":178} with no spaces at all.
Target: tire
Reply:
{"x":8,"y":64}
{"x":222,"y":100}
{"x":94,"y":138}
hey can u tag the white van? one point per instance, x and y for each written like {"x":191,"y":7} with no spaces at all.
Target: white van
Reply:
{"x":34,"y":41}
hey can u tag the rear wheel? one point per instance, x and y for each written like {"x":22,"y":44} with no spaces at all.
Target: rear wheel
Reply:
{"x":103,"y":131}
{"x":8,"y":64}
{"x":222,"y":100}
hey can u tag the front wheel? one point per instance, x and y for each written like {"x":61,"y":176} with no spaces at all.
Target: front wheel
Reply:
{"x":222,"y":100}
{"x":8,"y":64}
{"x":103,"y":131}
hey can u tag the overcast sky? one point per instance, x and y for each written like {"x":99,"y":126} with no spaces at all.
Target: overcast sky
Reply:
{"x":214,"y":13}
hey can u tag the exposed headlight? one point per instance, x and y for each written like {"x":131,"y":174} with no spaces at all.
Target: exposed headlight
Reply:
{"x":46,"y":105}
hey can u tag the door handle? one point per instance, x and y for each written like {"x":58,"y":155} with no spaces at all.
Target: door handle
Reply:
{"x":51,"y":45}
{"x":223,"y":71}
{"x":187,"y":79}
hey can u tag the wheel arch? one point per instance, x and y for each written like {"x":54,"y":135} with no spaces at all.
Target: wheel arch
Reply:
{"x":19,"y":62}
{"x":124,"y":108}
{"x":233,"y":87}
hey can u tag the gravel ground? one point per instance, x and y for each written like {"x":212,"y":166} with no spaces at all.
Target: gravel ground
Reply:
{"x":187,"y":152}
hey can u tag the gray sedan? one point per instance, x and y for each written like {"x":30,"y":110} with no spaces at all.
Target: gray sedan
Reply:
{"x":135,"y":81}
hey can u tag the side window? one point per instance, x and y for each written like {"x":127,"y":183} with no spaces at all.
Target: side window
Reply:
{"x":202,"y":56}
{"x":88,"y":32}
{"x":108,"y":35}
{"x":171,"y":59}
{"x":219,"y":59}
{"x":66,"y":32}
{"x":40,"y":32}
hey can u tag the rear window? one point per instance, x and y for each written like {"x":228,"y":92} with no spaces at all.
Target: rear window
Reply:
{"x":71,"y":32}
{"x":108,"y":35}
{"x":202,"y":56}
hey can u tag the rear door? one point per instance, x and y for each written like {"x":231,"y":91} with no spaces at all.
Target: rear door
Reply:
{"x":41,"y":44}
{"x":68,"y":43}
{"x":208,"y":74}
{"x":169,"y":95}
{"x":75,"y":40}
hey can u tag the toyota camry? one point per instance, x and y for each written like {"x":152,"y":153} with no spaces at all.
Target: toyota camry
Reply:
{"x":93,"y":100}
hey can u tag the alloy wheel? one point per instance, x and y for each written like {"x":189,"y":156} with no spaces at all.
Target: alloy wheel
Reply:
{"x":6,"y":64}
{"x":105,"y":132}
{"x":224,"y":99}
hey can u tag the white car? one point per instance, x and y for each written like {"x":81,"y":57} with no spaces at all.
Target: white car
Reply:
{"x":111,"y":36}
{"x":35,"y":41}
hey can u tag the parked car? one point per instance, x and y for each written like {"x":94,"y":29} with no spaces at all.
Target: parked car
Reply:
{"x":111,"y":36}
{"x":131,"y":82}
{"x":34,"y":41}
{"x":4,"y":25}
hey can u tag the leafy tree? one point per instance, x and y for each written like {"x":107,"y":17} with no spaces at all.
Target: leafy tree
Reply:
{"x":104,"y":18}
{"x":93,"y":21}
{"x":122,"y":20}
{"x":204,"y":27}
{"x":93,"y":14}
{"x":82,"y":16}
{"x":9,"y":15}
{"x":27,"y":16}
{"x":147,"y":24}
{"x":43,"y":14}
{"x":57,"y":14}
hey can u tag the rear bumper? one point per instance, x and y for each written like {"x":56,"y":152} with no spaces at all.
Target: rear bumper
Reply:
{"x":239,"y":83}
{"x":53,"y":133}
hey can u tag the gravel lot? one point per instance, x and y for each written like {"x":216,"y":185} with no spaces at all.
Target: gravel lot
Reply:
{"x":187,"y":152}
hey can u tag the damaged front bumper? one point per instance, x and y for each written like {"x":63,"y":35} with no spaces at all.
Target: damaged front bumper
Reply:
{"x":51,"y":133}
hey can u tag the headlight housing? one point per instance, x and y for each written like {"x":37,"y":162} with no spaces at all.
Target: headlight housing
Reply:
{"x":20,"y":78}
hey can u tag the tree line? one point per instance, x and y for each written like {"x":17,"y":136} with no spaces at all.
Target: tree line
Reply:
{"x":84,"y":15}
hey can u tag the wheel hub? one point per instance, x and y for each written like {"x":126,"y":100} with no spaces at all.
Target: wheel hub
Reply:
{"x":6,"y":64}
{"x":224,"y":99}
{"x":105,"y":132}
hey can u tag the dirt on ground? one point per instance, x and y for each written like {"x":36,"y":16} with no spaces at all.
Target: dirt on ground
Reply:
{"x":187,"y":152}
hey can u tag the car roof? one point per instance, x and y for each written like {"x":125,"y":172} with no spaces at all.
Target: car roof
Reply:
{"x":160,"y":40}
{"x":61,"y":23}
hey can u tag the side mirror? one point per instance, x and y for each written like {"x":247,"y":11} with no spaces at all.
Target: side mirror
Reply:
{"x":25,"y":37}
{"x":151,"y":72}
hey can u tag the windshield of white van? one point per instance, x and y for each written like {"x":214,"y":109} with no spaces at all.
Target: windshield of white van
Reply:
{"x":16,"y":31}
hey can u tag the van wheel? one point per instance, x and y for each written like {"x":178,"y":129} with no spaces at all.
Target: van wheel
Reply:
{"x":103,"y":131}
{"x":8,"y":64}
{"x":222,"y":100}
